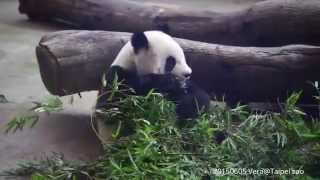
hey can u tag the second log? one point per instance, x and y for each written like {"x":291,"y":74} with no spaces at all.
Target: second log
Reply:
{"x":73,"y":61}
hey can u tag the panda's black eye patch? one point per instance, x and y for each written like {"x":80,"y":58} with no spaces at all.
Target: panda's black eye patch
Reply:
{"x":170,"y":63}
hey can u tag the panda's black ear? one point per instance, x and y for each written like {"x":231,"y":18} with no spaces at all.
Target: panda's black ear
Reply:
{"x":139,"y":41}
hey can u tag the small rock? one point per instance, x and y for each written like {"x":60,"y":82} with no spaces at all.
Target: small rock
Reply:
{"x":3,"y":99}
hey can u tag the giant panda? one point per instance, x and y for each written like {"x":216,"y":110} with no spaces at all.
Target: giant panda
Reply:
{"x":154,"y":60}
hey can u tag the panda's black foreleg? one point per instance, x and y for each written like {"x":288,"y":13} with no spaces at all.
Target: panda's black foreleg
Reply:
{"x":124,"y":80}
{"x":190,"y":104}
{"x":188,"y":97}
{"x":166,"y":84}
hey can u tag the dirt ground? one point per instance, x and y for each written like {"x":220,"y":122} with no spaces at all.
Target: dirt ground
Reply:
{"x":67,"y":132}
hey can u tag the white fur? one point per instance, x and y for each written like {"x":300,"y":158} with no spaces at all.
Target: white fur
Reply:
{"x":153,"y":60}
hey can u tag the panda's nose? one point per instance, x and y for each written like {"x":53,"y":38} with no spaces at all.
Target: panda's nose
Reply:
{"x":187,"y":75}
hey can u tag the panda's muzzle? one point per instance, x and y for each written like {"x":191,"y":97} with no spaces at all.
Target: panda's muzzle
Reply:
{"x":184,"y":77}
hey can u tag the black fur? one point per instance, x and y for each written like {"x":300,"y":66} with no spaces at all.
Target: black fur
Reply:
{"x":193,"y":101}
{"x":170,"y":63}
{"x":166,"y":84}
{"x":189,"y":98}
{"x":128,"y":79}
{"x":220,"y":136}
{"x":139,"y":41}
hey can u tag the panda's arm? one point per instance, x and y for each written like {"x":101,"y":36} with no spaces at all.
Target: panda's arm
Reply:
{"x":163,"y":83}
{"x":188,"y":97}
{"x":126,"y":80}
{"x":195,"y":100}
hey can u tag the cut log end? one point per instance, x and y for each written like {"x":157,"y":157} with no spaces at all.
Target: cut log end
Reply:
{"x":49,"y":70}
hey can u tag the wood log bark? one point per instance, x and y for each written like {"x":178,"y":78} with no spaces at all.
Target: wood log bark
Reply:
{"x":268,"y":23}
{"x":73,"y":61}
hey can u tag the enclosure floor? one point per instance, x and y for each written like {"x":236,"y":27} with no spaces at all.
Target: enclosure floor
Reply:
{"x":66,"y":132}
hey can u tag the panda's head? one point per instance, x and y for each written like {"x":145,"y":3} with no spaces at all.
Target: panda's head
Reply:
{"x":155,"y":52}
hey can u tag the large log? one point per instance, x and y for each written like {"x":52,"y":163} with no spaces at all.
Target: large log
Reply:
{"x":73,"y":61}
{"x":268,"y":23}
